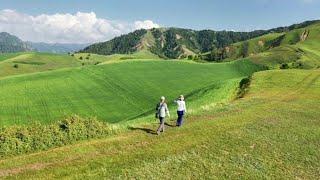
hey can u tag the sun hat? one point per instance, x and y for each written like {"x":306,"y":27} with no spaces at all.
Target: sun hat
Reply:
{"x":162,"y":98}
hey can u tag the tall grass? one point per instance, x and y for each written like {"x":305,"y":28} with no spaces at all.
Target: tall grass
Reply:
{"x":34,"y":137}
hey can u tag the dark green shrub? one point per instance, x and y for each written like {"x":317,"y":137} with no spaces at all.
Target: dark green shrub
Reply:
{"x":16,"y":66}
{"x":284,"y":66}
{"x":25,"y":139}
{"x":243,"y":86}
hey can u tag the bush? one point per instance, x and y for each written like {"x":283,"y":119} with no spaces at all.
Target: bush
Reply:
{"x":284,"y":66}
{"x":243,"y":87}
{"x":16,"y":66}
{"x":25,"y":139}
{"x":80,"y":57}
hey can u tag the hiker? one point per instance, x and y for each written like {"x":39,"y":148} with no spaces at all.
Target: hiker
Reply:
{"x":161,"y":111}
{"x":181,"y":110}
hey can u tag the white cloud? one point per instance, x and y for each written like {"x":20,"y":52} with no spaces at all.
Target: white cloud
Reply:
{"x":66,"y":28}
{"x":147,"y":24}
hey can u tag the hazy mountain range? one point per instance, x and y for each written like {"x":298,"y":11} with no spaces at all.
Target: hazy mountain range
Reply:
{"x":10,"y":43}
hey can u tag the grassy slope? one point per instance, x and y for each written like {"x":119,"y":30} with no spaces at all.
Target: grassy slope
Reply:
{"x":112,"y":92}
{"x":275,"y":49}
{"x":95,"y":58}
{"x":311,"y":47}
{"x":5,"y":56}
{"x":293,"y":51}
{"x":271,"y":133}
{"x":255,"y":45}
{"x":31,"y":62}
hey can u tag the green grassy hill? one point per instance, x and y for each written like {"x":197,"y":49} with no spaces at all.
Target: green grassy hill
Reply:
{"x":31,"y":62}
{"x":89,"y":59}
{"x":113,"y":92}
{"x":297,"y":48}
{"x":178,"y":43}
{"x":262,"y":127}
{"x":271,"y":133}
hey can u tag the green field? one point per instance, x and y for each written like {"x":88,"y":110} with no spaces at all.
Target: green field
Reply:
{"x":31,"y":62}
{"x":243,"y":121}
{"x":271,"y":133}
{"x":113,"y":92}
{"x":89,"y":59}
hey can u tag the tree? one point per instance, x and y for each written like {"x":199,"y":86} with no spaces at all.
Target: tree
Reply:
{"x":244,"y":49}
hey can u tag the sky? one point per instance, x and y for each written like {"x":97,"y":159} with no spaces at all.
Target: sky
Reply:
{"x":80,"y":21}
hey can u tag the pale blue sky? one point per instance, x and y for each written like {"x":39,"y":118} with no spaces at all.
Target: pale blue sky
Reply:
{"x":197,"y":14}
{"x":238,"y":15}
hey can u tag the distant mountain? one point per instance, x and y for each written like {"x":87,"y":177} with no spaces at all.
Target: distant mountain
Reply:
{"x":169,"y":42}
{"x":56,"y":47}
{"x":177,"y":42}
{"x":10,"y":44}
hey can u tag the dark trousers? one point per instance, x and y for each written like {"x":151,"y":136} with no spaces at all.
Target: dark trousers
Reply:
{"x":180,"y":118}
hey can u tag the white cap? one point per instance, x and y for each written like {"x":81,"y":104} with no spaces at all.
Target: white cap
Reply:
{"x":162,"y":98}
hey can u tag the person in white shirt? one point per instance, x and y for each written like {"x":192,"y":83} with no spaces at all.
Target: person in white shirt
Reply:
{"x":161,"y":111}
{"x":181,"y":110}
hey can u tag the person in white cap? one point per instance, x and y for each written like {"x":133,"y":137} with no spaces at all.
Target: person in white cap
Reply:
{"x":161,"y":111}
{"x":181,"y":110}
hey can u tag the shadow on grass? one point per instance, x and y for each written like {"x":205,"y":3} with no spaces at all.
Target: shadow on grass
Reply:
{"x":149,"y":131}
{"x":170,"y":125}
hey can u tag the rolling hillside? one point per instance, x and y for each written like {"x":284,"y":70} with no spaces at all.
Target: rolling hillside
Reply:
{"x":297,"y":48}
{"x":31,"y":62}
{"x":89,"y":59}
{"x":272,"y":133}
{"x":169,"y":42}
{"x":113,"y":92}
{"x":242,"y":122}
{"x":180,"y":43}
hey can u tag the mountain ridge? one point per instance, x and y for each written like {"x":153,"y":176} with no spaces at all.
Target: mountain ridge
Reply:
{"x":10,"y":44}
{"x":179,"y":42}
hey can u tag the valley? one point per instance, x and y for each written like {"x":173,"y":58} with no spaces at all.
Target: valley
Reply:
{"x":253,"y":103}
